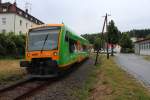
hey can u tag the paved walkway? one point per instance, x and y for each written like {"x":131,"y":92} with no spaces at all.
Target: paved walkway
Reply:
{"x":135,"y":65}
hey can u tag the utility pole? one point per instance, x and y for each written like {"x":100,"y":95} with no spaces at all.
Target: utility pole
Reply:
{"x":97,"y":54}
{"x":105,"y":24}
{"x":106,"y":20}
{"x":107,"y":35}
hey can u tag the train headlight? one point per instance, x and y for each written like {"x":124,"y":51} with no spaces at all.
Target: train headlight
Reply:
{"x":28,"y":54}
{"x":55,"y":54}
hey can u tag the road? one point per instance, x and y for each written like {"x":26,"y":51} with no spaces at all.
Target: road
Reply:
{"x":136,"y":66}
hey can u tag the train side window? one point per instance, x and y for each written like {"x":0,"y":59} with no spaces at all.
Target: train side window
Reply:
{"x":72,"y":46}
{"x":66,"y":36}
{"x":85,"y":48}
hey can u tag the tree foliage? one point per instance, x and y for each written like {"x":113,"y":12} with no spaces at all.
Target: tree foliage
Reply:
{"x":113,"y":35}
{"x":91,"y":37}
{"x":12,"y":45}
{"x":99,"y":43}
{"x":148,"y":36}
{"x":138,"y":33}
{"x":126,"y":43}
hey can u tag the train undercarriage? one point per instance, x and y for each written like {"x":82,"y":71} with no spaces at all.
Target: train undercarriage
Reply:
{"x":41,"y":67}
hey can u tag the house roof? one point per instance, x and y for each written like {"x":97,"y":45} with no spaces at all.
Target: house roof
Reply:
{"x":144,"y":40}
{"x":12,"y":8}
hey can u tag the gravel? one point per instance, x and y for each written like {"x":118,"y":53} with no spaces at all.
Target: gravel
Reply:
{"x":64,"y":88}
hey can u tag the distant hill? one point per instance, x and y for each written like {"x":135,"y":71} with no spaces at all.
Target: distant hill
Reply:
{"x":91,"y":37}
{"x":138,"y":33}
{"x":142,"y":33}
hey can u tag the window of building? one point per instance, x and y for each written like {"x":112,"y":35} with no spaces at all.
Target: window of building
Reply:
{"x":26,"y":25}
{"x":3,"y":31}
{"x":4,"y":9}
{"x":20,"y":22}
{"x":4,"y":21}
{"x":146,"y":45}
{"x":20,"y":32}
{"x":20,"y":12}
{"x":26,"y":16}
{"x":142,"y":46}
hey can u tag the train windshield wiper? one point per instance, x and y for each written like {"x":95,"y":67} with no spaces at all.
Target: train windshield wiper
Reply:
{"x":46,"y":37}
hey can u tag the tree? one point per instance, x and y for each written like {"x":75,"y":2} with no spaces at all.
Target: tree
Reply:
{"x":12,"y":45}
{"x":142,"y":33}
{"x":113,"y":35}
{"x":148,"y":36}
{"x":126,"y":43}
{"x":19,"y":41}
{"x":91,"y":37}
{"x":98,"y":43}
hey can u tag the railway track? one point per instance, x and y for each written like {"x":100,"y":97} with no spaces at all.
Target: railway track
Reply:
{"x":23,"y":89}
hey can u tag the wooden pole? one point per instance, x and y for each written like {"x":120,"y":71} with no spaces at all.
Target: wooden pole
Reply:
{"x":97,"y":54}
{"x":107,"y":36}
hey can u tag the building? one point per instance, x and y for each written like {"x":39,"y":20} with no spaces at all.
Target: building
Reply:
{"x":142,"y":47}
{"x":133,"y":39}
{"x":14,"y":19}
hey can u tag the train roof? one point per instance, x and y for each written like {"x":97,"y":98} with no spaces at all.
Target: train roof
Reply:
{"x":76,"y":36}
{"x":72,"y":34}
{"x":46,"y":25}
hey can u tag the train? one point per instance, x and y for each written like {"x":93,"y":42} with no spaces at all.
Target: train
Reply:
{"x":53,"y":48}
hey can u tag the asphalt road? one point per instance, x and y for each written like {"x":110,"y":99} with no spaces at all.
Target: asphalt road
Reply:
{"x":136,"y":66}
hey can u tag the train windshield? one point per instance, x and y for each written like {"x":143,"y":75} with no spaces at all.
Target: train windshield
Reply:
{"x":43,"y":39}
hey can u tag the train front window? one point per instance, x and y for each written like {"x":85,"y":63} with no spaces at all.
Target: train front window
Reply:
{"x":43,"y":39}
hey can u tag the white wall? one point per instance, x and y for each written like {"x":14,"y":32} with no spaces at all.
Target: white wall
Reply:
{"x":9,"y":27}
{"x":145,"y":48}
{"x":142,"y":48}
{"x":13,"y":19}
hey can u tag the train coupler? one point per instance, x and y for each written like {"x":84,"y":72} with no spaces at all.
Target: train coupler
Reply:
{"x":25,"y":64}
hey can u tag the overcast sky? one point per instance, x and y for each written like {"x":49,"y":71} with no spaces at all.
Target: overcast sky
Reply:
{"x":85,"y":16}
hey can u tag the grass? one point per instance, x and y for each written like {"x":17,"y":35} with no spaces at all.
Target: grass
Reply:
{"x":10,"y":71}
{"x":83,"y":93}
{"x":108,"y":82}
{"x":11,"y":57}
{"x":147,"y":58}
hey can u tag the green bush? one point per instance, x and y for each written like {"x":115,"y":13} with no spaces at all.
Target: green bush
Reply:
{"x":127,"y":50}
{"x":11,"y":45}
{"x":126,"y":44}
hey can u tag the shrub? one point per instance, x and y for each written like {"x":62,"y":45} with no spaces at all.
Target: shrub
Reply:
{"x":127,"y":50}
{"x":12,"y":45}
